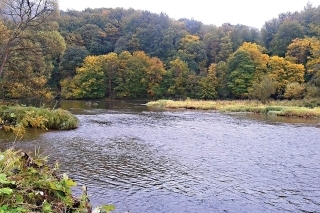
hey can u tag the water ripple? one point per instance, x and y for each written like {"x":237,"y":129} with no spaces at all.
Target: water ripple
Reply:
{"x":189,"y":161}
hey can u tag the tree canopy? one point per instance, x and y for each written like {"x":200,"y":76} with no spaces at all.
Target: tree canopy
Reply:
{"x":127,"y":53}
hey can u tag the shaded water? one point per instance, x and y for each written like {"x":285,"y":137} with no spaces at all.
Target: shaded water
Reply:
{"x":149,"y":160}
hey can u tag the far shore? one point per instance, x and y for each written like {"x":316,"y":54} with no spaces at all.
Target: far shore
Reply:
{"x":278,"y":108}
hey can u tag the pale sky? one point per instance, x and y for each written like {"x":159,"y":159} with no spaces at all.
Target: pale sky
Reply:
{"x":252,"y":13}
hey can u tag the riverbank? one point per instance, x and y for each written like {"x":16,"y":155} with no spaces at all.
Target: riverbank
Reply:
{"x":278,"y":108}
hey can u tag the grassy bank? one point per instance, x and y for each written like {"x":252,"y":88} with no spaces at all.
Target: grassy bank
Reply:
{"x":52,"y":119}
{"x":278,"y":108}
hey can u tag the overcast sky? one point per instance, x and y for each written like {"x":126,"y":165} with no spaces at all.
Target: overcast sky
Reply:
{"x":248,"y":12}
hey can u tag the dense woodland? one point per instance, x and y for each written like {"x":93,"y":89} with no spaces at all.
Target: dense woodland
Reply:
{"x":127,"y":53}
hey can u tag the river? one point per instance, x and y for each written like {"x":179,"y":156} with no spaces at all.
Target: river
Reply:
{"x":149,"y":160}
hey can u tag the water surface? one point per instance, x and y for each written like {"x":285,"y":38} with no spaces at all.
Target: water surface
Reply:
{"x":151,"y":160}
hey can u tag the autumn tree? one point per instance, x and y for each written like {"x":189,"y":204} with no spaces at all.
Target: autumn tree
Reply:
{"x":89,"y":82}
{"x":298,"y":51}
{"x":294,"y":90}
{"x":206,"y":85}
{"x":21,"y":16}
{"x":26,"y":75}
{"x":258,"y":56}
{"x":284,"y":72}
{"x":313,"y":68}
{"x":139,"y":75}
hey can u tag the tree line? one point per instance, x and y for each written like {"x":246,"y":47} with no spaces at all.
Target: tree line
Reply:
{"x":127,"y":53}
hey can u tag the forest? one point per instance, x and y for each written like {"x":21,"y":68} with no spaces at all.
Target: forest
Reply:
{"x":133,"y":54}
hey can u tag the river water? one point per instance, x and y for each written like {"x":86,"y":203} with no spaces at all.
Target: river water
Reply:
{"x":148,"y":160}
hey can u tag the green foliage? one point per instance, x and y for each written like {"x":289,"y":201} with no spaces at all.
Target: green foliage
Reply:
{"x":179,"y":75}
{"x":28,"y":185}
{"x":131,"y":54}
{"x":72,"y":58}
{"x":287,"y":31}
{"x":207,"y":84}
{"x":263,"y":90}
{"x":240,"y":73}
{"x":241,"y":33}
{"x":192,"y":51}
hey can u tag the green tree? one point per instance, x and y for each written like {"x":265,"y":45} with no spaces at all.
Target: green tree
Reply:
{"x":72,"y":59}
{"x":241,"y":33}
{"x":287,"y":31}
{"x":192,"y":51}
{"x":179,"y":74}
{"x":240,"y":73}
{"x":222,"y":80}
{"x":94,"y":39}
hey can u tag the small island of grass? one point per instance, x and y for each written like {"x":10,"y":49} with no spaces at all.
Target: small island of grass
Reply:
{"x":37,"y":117}
{"x":277,"y":108}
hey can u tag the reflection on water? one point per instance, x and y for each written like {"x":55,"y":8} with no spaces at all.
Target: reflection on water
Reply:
{"x":143,"y":160}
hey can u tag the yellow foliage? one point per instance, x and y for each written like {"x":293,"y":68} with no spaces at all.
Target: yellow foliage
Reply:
{"x":187,"y":39}
{"x":285,"y":72}
{"x":314,"y":58}
{"x":256,"y":53}
{"x":298,"y":50}
{"x":294,"y":90}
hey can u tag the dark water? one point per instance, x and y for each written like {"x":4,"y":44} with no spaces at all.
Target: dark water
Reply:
{"x":149,"y":160}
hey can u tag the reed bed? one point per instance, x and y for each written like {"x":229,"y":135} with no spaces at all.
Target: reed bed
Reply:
{"x":278,"y":108}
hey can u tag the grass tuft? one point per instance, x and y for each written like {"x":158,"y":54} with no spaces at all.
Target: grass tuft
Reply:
{"x":54,"y":119}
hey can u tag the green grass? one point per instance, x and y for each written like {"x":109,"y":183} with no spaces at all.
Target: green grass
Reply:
{"x":278,"y":108}
{"x":53,"y":119}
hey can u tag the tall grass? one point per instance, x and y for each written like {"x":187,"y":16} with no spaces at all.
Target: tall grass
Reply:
{"x":279,"y":108}
{"x":54,"y":119}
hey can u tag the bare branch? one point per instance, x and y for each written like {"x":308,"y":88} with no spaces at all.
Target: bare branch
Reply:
{"x":21,"y":15}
